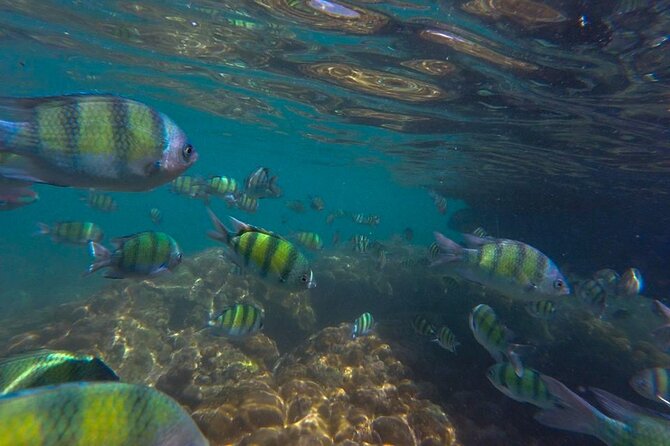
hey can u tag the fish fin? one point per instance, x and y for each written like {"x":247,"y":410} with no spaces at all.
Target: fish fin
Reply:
{"x":473,"y":241}
{"x":514,"y":353}
{"x":101,"y":256}
{"x":42,"y":229}
{"x":621,"y":409}
{"x":221,"y":233}
{"x":663,"y":399}
{"x":119,"y":241}
{"x":19,"y":174}
{"x":662,"y":309}
{"x":272,"y":185}
{"x":450,"y":251}
{"x":572,"y":413}
{"x":239,"y":227}
{"x":152,"y":168}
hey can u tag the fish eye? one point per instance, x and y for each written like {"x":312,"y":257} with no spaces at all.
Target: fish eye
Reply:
{"x":558,"y":284}
{"x":304,"y":277}
{"x":187,"y":151}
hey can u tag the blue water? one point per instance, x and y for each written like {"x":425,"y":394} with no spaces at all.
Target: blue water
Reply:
{"x":552,"y":131}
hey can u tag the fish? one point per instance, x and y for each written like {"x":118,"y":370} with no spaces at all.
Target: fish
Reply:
{"x":156,"y":216}
{"x":366,"y":219}
{"x":222,"y":186}
{"x":480,"y":232}
{"x":629,"y":425}
{"x":246,"y":203}
{"x":631,"y":283}
{"x":495,"y":337}
{"x":434,"y":251}
{"x":101,"y":202}
{"x":527,"y":388}
{"x":72,"y":232}
{"x":275,"y":259}
{"x":317,"y":203}
{"x":360,"y":243}
{"x":422,"y":326}
{"x":95,"y":413}
{"x":336,"y":238}
{"x":237,"y":320}
{"x":541,"y":309}
{"x":363,"y":325}
{"x":608,"y":278}
{"x":653,"y":383}
{"x":439,"y":201}
{"x":446,"y":339}
{"x":143,"y":254}
{"x":16,"y":197}
{"x":46,"y":367}
{"x":193,"y":187}
{"x":337,"y":213}
{"x":661,"y":334}
{"x":510,"y":267}
{"x":310,"y":240}
{"x":592,"y":293}
{"x":260,"y":184}
{"x":382,"y":259}
{"x":92,"y":141}
{"x":296,"y":206}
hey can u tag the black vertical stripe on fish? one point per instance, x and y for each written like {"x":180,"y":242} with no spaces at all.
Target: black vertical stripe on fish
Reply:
{"x":517,"y":273}
{"x":289,"y":264}
{"x":153,"y":243}
{"x":270,"y":252}
{"x":70,"y":123}
{"x":159,"y":130}
{"x":497,"y":257}
{"x":251,"y":241}
{"x":541,"y":266}
{"x":119,"y":129}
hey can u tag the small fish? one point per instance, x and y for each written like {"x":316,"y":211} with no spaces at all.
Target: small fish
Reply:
{"x":274,"y":258}
{"x":439,"y":201}
{"x":382,"y":259}
{"x":139,"y":255}
{"x":360,"y":243}
{"x":408,"y":234}
{"x":73,"y":232}
{"x":101,"y":202}
{"x":317,"y":203}
{"x":238,"y":320}
{"x":495,"y":337}
{"x":513,"y":268}
{"x":296,"y":206}
{"x":192,"y":187}
{"x":592,"y":293}
{"x":15,"y":197}
{"x":310,"y":240}
{"x":336,"y":238}
{"x":95,"y":413}
{"x":156,"y":216}
{"x":261,"y":185}
{"x":422,"y":326}
{"x":338,"y":213}
{"x":90,"y":140}
{"x":630,"y":425}
{"x":434,"y":251}
{"x":541,"y":309}
{"x":446,"y":339}
{"x":631,"y":283}
{"x":363,"y":325}
{"x":480,"y":232}
{"x":653,"y":383}
{"x":527,"y":388}
{"x":222,"y":186}
{"x":661,"y":334}
{"x":365,"y":219}
{"x":246,"y":203}
{"x":46,"y":367}
{"x":608,"y":278}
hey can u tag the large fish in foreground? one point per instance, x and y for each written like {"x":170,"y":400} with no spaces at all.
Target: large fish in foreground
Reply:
{"x":274,"y":258}
{"x":89,"y":140}
{"x":513,"y":268}
{"x":45,"y":367}
{"x":110,"y":414}
{"x":629,"y":425}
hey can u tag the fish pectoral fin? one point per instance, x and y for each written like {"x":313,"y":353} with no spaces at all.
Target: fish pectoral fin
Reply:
{"x":530,"y":287}
{"x":663,"y":399}
{"x":152,"y":168}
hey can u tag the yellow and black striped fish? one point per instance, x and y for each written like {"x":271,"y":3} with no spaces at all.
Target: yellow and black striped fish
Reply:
{"x":527,"y":388}
{"x":193,"y":187}
{"x":73,"y":232}
{"x":238,"y":320}
{"x":363,"y":325}
{"x":101,"y":202}
{"x":541,"y":309}
{"x":446,"y":339}
{"x":275,"y":259}
{"x":366,"y":219}
{"x":90,"y":140}
{"x":156,"y":216}
{"x":512,"y":268}
{"x":422,"y":326}
{"x":310,"y":240}
{"x":360,"y":243}
{"x":222,"y":186}
{"x":246,"y":203}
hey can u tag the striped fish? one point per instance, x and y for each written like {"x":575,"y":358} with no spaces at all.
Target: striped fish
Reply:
{"x":89,"y":140}
{"x":73,"y":232}
{"x":512,"y":268}
{"x":101,"y":202}
{"x":439,"y":201}
{"x":86,"y":413}
{"x":274,"y":258}
{"x":541,"y":309}
{"x":190,"y":186}
{"x":238,"y":320}
{"x":259,"y":184}
{"x":495,"y":337}
{"x":365,"y":219}
{"x":360,"y":243}
{"x":363,"y":325}
{"x":527,"y":388}
{"x":310,"y":240}
{"x":434,"y":251}
{"x":156,"y":216}
{"x":480,"y":232}
{"x":246,"y":203}
{"x":139,"y":255}
{"x":446,"y":339}
{"x":422,"y":326}
{"x":653,"y":383}
{"x":45,"y":367}
{"x":317,"y":203}
{"x":16,"y":197}
{"x":222,"y":186}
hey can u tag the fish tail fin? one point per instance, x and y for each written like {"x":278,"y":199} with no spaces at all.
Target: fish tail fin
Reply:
{"x":514,"y":353}
{"x":450,"y":251}
{"x":572,"y":413}
{"x":42,"y":229}
{"x":220,"y":231}
{"x":272,"y":185}
{"x":662,"y":310}
{"x":101,"y":257}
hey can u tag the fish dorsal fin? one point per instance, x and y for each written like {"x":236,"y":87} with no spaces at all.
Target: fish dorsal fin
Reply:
{"x":118,"y":242}
{"x":624,"y":410}
{"x":21,"y":109}
{"x":239,"y":228}
{"x":662,"y":310}
{"x":28,"y":354}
